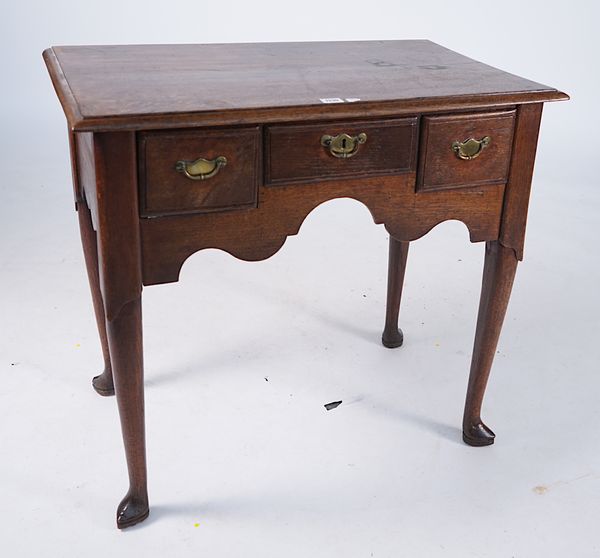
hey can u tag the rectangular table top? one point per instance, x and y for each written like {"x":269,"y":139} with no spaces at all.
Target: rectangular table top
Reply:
{"x":141,"y":86}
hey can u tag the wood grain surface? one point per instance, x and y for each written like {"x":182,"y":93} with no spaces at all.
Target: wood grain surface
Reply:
{"x":257,"y":234}
{"x":133,"y":111}
{"x":440,"y":167}
{"x":134,"y":86}
{"x":294,"y":152}
{"x":165,"y":191}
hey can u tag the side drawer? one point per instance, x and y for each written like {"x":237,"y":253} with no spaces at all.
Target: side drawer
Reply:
{"x":465,"y":150}
{"x":227,"y":179}
{"x":297,"y":153}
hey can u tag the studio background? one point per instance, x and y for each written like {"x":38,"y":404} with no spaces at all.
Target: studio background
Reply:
{"x":243,"y":459}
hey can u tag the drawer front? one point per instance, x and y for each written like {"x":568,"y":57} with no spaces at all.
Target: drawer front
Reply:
{"x":227,"y":179}
{"x":465,"y":150}
{"x":298,"y":153}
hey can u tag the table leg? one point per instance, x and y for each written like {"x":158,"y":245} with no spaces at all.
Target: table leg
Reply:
{"x":498,"y":275}
{"x":398,"y":253}
{"x":103,"y":384}
{"x":120,"y":260}
{"x":125,"y":341}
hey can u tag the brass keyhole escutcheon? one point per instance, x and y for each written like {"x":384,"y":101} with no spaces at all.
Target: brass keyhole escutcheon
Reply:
{"x":470,"y":148}
{"x":343,"y":146}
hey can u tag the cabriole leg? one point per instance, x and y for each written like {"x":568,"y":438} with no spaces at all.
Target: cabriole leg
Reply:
{"x":498,"y":275}
{"x":125,"y":341}
{"x":398,"y":253}
{"x":103,"y":384}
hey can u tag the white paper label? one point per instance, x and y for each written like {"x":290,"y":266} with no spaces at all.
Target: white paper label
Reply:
{"x":332,"y":100}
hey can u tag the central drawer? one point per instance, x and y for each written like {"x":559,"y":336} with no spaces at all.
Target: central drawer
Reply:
{"x":309,"y":152}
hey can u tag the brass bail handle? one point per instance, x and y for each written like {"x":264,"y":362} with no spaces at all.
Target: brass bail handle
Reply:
{"x":343,"y":146}
{"x":201,"y":169}
{"x":470,"y":148}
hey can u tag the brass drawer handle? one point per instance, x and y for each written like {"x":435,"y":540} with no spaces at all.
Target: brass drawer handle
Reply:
{"x":201,"y":169}
{"x":343,"y":146}
{"x":470,"y":148}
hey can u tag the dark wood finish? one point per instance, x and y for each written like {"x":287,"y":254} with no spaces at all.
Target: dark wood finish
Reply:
{"x":118,"y":226}
{"x":86,"y":172}
{"x":165,"y":191}
{"x":398,"y":254}
{"x":295,"y":154}
{"x":133,"y":111}
{"x":498,"y":275}
{"x":77,"y":193}
{"x":103,"y":384}
{"x":257,"y":234}
{"x":516,"y":200}
{"x":121,"y":285}
{"x":440,"y":167}
{"x":501,"y":260}
{"x":166,"y":86}
{"x":125,"y":339}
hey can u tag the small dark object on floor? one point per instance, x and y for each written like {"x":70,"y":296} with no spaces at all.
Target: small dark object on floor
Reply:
{"x":333,"y":405}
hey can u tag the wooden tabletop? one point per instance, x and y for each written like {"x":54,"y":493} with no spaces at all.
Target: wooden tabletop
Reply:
{"x":149,"y":86}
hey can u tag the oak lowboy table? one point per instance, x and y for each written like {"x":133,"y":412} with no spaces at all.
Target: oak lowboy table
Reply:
{"x":177,"y":148}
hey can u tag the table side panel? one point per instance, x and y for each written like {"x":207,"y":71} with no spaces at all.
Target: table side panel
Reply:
{"x":516,"y":203}
{"x":86,"y":173}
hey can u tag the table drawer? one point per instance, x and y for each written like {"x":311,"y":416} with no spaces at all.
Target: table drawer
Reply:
{"x":198,"y":171}
{"x":465,"y":150}
{"x":297,"y":153}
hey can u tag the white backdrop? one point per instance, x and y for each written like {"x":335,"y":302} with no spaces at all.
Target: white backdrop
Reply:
{"x":242,"y":466}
